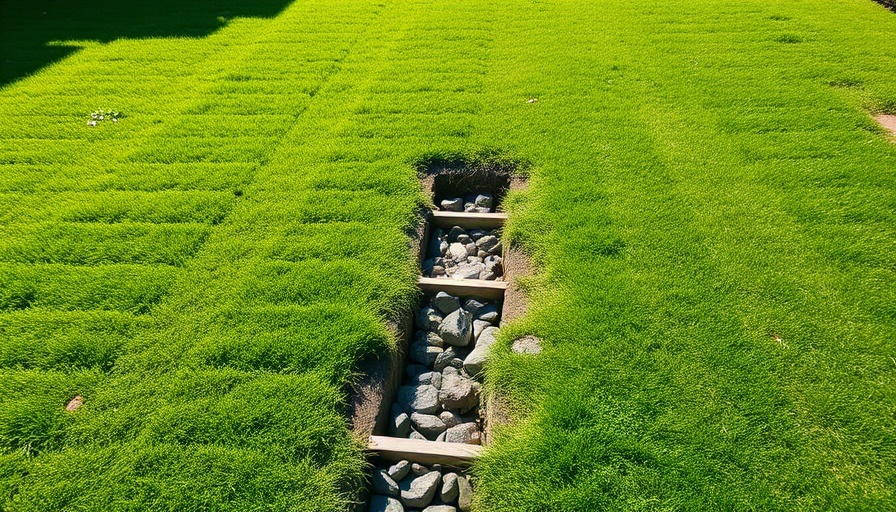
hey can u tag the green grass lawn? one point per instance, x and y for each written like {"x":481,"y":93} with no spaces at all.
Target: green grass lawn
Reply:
{"x":711,"y":210}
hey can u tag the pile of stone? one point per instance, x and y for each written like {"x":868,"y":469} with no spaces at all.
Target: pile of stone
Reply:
{"x":464,"y":254}
{"x":439,"y":398}
{"x":409,"y":486}
{"x":478,"y":203}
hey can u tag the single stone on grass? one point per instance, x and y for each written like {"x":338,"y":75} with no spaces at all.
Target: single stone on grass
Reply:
{"x":457,"y":393}
{"x":526,"y":345}
{"x":419,"y":492}
{"x":384,"y":484}
{"x":428,"y":319}
{"x":445,"y":303}
{"x":466,"y":433}
{"x":464,"y":494}
{"x":399,"y":470}
{"x":385,"y":504}
{"x":467,"y":271}
{"x":457,"y":328}
{"x":449,"y":487}
{"x":428,"y":425}
{"x":476,"y":359}
{"x":401,"y":424}
{"x":455,"y":204}
{"x":424,"y":398}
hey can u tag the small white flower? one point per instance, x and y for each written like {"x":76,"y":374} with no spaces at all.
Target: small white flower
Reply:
{"x":91,"y":123}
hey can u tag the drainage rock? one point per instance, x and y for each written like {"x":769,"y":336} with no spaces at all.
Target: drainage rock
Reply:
{"x":423,"y":399}
{"x":383,"y":483}
{"x":385,"y":504}
{"x":420,"y":491}
{"x":457,"y":328}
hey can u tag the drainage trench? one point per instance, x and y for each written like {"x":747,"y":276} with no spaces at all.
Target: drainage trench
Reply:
{"x":432,"y":418}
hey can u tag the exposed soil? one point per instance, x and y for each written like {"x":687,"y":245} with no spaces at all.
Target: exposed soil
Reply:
{"x":888,"y":121}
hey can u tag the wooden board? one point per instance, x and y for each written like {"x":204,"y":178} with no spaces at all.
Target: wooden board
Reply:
{"x":468,"y":220}
{"x":489,"y":290}
{"x":424,"y":452}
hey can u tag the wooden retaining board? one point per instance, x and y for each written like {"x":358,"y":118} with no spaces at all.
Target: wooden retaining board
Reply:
{"x":489,"y":290}
{"x":423,"y":452}
{"x":468,"y":220}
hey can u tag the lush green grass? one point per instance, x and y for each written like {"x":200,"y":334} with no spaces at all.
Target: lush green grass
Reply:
{"x":711,"y":211}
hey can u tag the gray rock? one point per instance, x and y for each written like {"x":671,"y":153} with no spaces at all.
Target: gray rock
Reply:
{"x":423,"y":399}
{"x":457,"y":252}
{"x":526,"y":345}
{"x":493,"y":264}
{"x":450,"y":419}
{"x":425,"y":354}
{"x":480,"y":253}
{"x":455,"y":232}
{"x":484,"y":201}
{"x":473,"y":306}
{"x":440,"y":508}
{"x":478,"y":327}
{"x":443,"y":248}
{"x":384,"y":504}
{"x":432,"y":378}
{"x":384,"y":484}
{"x":457,"y":363}
{"x":464,"y":239}
{"x":467,"y":271}
{"x":444,"y":359}
{"x":470,"y":207}
{"x":428,"y":425}
{"x":399,"y":470}
{"x":466,"y":433}
{"x":476,"y":359}
{"x":441,"y":438}
{"x":438,"y":271}
{"x":445,"y":303}
{"x":419,"y":469}
{"x":429,"y":338}
{"x":401,"y":424}
{"x":449,"y":487}
{"x":417,"y":435}
{"x":487,"y":243}
{"x":428,"y":319}
{"x":457,"y":328}
{"x":457,"y":393}
{"x":489,"y":313}
{"x":477,"y":233}
{"x":464,"y":494}
{"x":419,"y":492}
{"x":471,"y":248}
{"x":455,"y":204}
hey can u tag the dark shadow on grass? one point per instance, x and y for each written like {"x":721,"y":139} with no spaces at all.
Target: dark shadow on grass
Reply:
{"x":29,"y":28}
